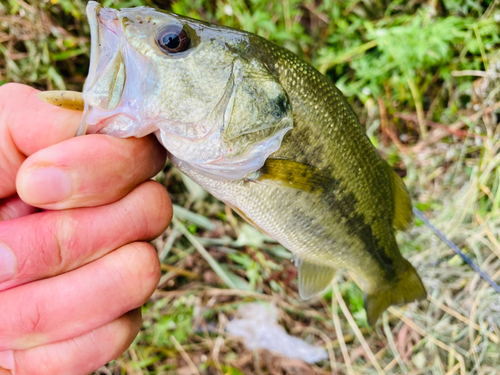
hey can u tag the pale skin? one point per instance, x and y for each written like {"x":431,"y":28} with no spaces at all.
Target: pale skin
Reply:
{"x":74,"y":217}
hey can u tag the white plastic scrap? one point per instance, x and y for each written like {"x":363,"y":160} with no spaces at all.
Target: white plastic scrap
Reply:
{"x":256,"y":324}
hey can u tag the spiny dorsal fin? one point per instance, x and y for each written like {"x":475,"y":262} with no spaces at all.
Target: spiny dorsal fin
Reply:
{"x":292,"y":174}
{"x":403,"y":215}
{"x":313,"y":278}
{"x":64,"y":99}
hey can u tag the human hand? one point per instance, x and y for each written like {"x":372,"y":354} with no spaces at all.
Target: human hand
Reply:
{"x":73,"y":276}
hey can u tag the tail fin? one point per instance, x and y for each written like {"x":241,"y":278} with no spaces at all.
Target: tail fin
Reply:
{"x":406,"y":288}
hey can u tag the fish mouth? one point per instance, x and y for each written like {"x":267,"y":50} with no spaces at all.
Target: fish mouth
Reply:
{"x":107,"y":73}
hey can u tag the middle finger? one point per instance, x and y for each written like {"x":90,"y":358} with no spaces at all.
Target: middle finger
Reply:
{"x":53,"y":242}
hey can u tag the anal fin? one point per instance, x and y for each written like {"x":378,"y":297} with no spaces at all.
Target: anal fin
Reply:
{"x":313,"y":278}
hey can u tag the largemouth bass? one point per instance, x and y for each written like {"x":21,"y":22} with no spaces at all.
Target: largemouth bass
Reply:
{"x":262,"y":131}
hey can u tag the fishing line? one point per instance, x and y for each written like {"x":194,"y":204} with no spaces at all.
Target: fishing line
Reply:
{"x":456,"y":249}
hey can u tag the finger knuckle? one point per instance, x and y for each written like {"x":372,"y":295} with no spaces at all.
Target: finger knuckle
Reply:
{"x":54,"y":239}
{"x":29,"y":320}
{"x":66,"y":239}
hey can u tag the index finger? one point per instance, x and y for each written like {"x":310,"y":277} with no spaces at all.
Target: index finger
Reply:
{"x":27,"y":125}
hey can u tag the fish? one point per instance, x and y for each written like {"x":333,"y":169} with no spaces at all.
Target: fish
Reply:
{"x":262,"y":131}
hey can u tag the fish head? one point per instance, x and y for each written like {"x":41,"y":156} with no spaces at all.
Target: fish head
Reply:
{"x":191,"y":83}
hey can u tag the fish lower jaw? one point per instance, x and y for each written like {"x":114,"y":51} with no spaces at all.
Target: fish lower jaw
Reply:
{"x":118,"y":125}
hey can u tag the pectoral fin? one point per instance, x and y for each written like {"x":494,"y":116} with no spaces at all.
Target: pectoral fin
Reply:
{"x":313,"y":278}
{"x":64,"y":99}
{"x":292,"y":174}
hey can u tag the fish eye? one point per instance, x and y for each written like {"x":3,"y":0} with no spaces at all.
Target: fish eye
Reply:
{"x":173,"y":39}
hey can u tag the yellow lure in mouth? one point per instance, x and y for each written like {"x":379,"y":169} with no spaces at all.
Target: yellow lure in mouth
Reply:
{"x":64,"y":99}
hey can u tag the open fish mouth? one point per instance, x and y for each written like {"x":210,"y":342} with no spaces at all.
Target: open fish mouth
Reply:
{"x":107,"y":73}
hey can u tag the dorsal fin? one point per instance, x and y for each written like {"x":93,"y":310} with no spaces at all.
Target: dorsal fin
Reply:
{"x":403,"y":215}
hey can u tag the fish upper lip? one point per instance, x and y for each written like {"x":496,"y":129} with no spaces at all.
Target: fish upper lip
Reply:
{"x":99,"y":18}
{"x":104,"y":31}
{"x":93,"y":9}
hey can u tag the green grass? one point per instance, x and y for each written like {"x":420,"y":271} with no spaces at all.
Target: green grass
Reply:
{"x":423,"y":77}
